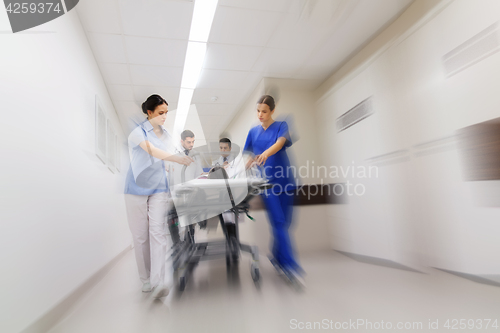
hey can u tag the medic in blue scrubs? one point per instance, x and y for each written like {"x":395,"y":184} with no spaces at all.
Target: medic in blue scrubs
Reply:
{"x":268,"y":142}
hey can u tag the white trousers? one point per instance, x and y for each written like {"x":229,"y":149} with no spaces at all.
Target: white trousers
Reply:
{"x":147,"y":222}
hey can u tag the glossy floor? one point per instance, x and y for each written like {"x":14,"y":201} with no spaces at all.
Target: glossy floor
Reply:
{"x":340,"y":292}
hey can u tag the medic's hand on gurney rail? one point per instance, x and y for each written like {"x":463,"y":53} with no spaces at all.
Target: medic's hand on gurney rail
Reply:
{"x":250,"y":163}
{"x":163,"y":155}
{"x":184,"y":160}
{"x":261,"y":159}
{"x":257,"y":160}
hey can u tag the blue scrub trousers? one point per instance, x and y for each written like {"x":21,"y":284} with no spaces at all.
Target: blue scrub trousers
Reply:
{"x":279,"y":208}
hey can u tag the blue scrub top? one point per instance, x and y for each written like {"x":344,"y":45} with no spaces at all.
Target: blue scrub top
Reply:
{"x":146,"y":175}
{"x":277,"y":166}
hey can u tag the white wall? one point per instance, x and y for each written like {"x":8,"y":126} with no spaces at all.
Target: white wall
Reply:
{"x":418,"y":211}
{"x":62,"y":215}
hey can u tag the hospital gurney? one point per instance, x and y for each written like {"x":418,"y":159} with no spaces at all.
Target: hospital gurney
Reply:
{"x":200,"y":199}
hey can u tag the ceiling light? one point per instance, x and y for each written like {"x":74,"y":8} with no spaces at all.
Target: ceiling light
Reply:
{"x":195,"y":56}
{"x":203,"y":15}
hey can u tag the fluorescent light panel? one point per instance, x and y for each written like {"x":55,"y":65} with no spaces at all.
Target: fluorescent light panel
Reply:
{"x":195,"y":56}
{"x":201,"y":23}
{"x":185,"y":97}
{"x":203,"y":16}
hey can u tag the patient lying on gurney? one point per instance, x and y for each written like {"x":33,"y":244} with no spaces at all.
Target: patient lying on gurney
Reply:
{"x":228,"y":165}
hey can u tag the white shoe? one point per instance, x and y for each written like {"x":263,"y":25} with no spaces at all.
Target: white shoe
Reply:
{"x":300,"y":279}
{"x":146,"y":287}
{"x":161,"y":291}
{"x":297,"y":281}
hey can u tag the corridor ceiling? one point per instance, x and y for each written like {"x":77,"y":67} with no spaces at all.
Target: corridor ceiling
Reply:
{"x":140,"y":46}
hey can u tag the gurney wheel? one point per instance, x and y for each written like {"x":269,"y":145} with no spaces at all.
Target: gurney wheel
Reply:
{"x":182,"y":283}
{"x":232,"y":251}
{"x":254,"y":270}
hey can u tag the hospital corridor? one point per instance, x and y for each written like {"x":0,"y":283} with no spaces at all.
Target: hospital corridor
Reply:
{"x":249,"y":166}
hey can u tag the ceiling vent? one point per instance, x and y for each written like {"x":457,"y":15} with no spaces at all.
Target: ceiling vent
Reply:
{"x":472,"y":51}
{"x":355,"y":115}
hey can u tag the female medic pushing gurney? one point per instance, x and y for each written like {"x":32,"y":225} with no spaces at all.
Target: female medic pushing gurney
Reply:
{"x":268,"y":142}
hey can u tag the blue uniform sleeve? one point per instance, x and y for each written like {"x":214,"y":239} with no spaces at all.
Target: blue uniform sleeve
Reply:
{"x":248,"y":144}
{"x":283,"y":132}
